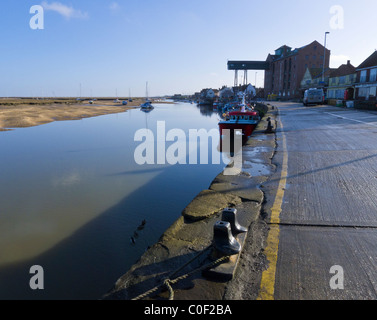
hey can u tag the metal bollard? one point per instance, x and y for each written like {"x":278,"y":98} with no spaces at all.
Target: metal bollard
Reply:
{"x":224,"y":241}
{"x":230,"y":215}
{"x":269,"y":126}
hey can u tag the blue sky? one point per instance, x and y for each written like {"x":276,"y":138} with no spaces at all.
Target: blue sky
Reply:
{"x":177,"y":46}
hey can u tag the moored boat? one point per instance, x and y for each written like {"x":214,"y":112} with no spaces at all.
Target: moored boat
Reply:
{"x":240,"y":119}
{"x":147,"y":105}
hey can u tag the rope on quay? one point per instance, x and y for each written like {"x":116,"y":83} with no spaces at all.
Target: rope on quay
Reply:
{"x":167,"y":283}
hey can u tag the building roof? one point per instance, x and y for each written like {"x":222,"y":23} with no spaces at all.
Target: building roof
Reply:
{"x":371,"y":61}
{"x":284,"y":47}
{"x":283,"y":50}
{"x":343,"y":70}
{"x":317,"y":72}
{"x":286,"y":51}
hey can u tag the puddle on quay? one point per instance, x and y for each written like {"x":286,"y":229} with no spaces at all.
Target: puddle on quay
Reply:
{"x":255,"y":169}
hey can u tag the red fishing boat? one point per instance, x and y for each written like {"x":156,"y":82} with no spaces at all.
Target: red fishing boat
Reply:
{"x":238,"y":120}
{"x":245,"y":120}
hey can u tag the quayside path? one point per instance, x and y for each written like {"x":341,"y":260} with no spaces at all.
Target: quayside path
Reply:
{"x":322,"y":205}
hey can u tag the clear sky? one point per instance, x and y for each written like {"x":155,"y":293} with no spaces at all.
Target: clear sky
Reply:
{"x":178,"y":46}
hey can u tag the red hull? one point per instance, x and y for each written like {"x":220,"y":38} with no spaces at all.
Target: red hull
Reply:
{"x":240,"y":120}
{"x":247,"y":129}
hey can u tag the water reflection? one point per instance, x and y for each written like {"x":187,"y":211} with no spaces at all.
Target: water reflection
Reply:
{"x":206,"y":110}
{"x":72,"y":198}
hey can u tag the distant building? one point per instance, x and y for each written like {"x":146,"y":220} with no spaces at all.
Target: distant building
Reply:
{"x":287,"y":68}
{"x":207,"y":96}
{"x":366,"y":80}
{"x":251,"y":91}
{"x":313,"y":79}
{"x":341,"y":84}
{"x":226,"y":93}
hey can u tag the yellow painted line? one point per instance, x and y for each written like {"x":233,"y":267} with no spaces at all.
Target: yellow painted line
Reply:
{"x":267,"y":287}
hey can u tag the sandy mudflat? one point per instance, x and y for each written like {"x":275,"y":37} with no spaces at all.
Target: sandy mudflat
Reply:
{"x":14,"y":115}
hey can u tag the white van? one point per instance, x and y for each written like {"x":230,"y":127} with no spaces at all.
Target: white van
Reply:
{"x":314,"y":96}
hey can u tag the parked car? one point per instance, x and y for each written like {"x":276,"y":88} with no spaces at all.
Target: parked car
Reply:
{"x":314,"y":96}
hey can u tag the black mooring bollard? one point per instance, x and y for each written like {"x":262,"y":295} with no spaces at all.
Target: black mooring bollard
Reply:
{"x":223,"y":239}
{"x":230,"y":215}
{"x":269,"y":126}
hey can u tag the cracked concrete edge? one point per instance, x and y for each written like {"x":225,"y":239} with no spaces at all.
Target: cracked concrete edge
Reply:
{"x":209,"y":202}
{"x":180,"y":239}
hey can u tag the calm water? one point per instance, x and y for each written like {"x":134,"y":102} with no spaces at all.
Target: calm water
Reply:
{"x":72,"y":196}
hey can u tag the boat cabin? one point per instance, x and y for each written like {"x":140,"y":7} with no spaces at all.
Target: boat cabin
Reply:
{"x":245,"y":116}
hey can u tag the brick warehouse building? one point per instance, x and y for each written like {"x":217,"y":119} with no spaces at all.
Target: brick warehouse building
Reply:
{"x":287,"y":68}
